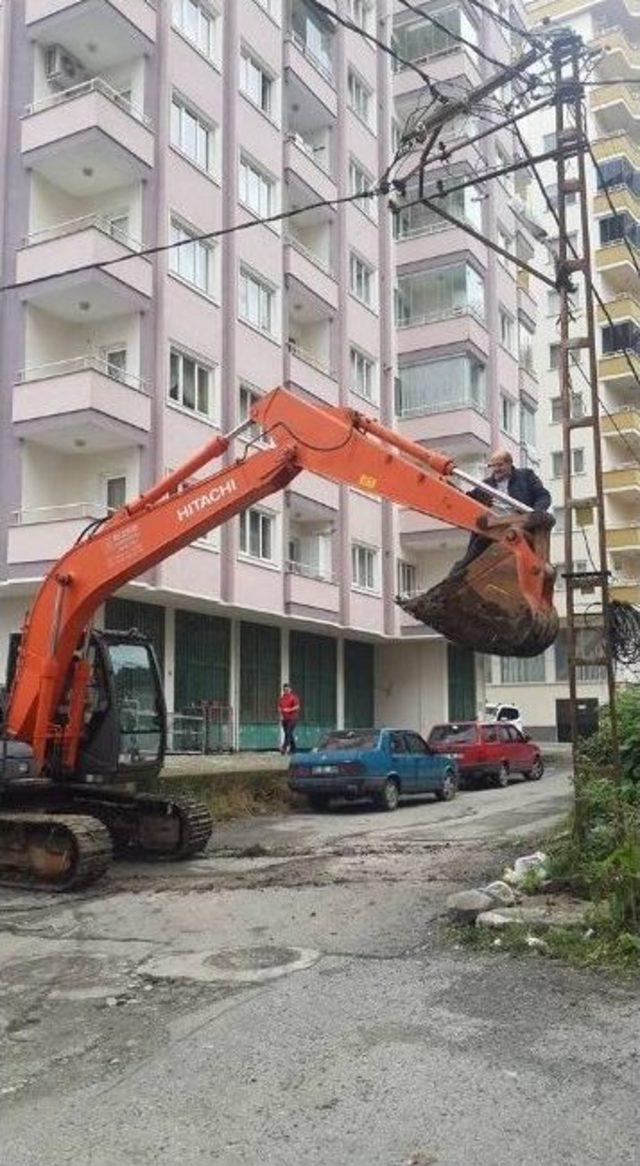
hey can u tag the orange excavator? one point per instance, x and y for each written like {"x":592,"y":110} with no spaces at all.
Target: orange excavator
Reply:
{"x":89,"y":703}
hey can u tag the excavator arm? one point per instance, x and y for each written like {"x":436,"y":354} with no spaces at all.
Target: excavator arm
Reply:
{"x":47,"y":700}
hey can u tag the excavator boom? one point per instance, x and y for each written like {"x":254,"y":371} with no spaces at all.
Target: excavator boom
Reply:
{"x":514,"y":593}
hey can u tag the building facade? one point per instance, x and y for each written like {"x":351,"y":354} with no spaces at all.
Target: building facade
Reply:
{"x":131,"y":124}
{"x":539,"y":686}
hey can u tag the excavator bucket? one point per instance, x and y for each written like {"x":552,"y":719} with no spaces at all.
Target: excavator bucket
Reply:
{"x":484,"y":608}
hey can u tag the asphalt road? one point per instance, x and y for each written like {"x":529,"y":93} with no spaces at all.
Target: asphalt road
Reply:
{"x":293,"y":998}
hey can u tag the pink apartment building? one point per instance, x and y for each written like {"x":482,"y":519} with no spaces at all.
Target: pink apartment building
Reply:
{"x":128,"y":124}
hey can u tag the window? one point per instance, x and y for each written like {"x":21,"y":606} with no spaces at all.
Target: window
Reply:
{"x":249,"y":396}
{"x":506,"y":242}
{"x":552,"y":192}
{"x":364,"y":566}
{"x":363,"y":370}
{"x":436,"y":386}
{"x":361,"y":280}
{"x":362,"y":14}
{"x":557,"y":462}
{"x":620,"y":336}
{"x":554,"y":356}
{"x":116,"y":493}
{"x":192,"y":261}
{"x":527,"y":423}
{"x":418,"y":40}
{"x":507,"y":413}
{"x":548,"y":142}
{"x":359,"y":181}
{"x":422,"y":220}
{"x":115,"y":360}
{"x":191,"y":383}
{"x":359,"y":98}
{"x":577,"y":408}
{"x":257,"y":84}
{"x":193,"y":136}
{"x":526,"y":333}
{"x":515,"y":670}
{"x":425,"y":297}
{"x":617,"y":227}
{"x":257,"y":189}
{"x":313,"y":34}
{"x":257,"y":302}
{"x":198,"y":23}
{"x":507,"y":331}
{"x":553,"y":302}
{"x":588,"y":644}
{"x":257,"y":529}
{"x":407,"y":578}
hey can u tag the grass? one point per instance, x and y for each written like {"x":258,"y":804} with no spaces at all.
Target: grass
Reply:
{"x":233,"y":795}
{"x":596,"y":946}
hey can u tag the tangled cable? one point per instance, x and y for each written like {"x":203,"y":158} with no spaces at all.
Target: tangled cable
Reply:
{"x":624,"y":632}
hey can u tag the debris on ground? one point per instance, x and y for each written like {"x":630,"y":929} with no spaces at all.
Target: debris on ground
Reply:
{"x":525,"y":866}
{"x":501,"y":893}
{"x":464,"y":906}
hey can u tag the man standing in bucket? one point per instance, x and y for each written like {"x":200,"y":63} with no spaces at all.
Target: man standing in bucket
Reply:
{"x":289,"y":711}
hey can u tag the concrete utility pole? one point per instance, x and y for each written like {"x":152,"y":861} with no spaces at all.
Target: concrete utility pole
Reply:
{"x":571,"y":142}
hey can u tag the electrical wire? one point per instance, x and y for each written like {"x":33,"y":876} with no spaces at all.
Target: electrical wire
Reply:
{"x":456,"y":36}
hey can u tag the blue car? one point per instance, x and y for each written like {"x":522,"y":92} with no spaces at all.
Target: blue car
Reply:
{"x":381,"y":764}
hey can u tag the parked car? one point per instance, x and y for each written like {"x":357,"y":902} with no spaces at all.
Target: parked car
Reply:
{"x":488,"y":751}
{"x":382,"y":764}
{"x":504,"y":712}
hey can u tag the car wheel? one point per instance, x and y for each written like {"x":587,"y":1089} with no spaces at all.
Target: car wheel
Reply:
{"x":319,"y":801}
{"x":501,"y":780}
{"x":389,"y":796}
{"x":536,"y":771}
{"x":448,"y":788}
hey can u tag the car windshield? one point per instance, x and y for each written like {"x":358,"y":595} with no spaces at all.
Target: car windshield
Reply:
{"x":349,"y":739}
{"x":456,"y":734}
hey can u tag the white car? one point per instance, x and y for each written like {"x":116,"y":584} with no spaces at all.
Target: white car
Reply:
{"x":504,"y":712}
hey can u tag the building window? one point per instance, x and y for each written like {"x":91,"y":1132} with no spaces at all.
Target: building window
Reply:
{"x":116,"y":493}
{"x":515,"y":670}
{"x":419,"y":40}
{"x":407,"y":581}
{"x":364,"y":567}
{"x":507,"y":330}
{"x":553,"y":302}
{"x":618,"y":337}
{"x":361,"y":280}
{"x":425,"y":297}
{"x":114,"y":358}
{"x":526,"y":334}
{"x":193,"y":260}
{"x":506,"y":242}
{"x":577,"y":408}
{"x":257,"y":530}
{"x":360,"y":181}
{"x":557,"y":462}
{"x":313,"y":34}
{"x":257,"y":84}
{"x":363,"y":370}
{"x":362,"y":14}
{"x":257,"y":189}
{"x":249,"y":396}
{"x":527,"y":424}
{"x":588,"y":644}
{"x":191,"y":384}
{"x":554,"y":357}
{"x":360,"y":98}
{"x":420,"y":219}
{"x":193,"y":136}
{"x":257,"y":302}
{"x":437,"y":386}
{"x":198,"y":23}
{"x":507,"y":414}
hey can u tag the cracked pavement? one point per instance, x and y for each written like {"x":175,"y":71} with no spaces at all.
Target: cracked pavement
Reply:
{"x":291,"y":997}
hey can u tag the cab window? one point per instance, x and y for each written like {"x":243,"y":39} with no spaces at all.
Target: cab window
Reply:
{"x":415,"y":744}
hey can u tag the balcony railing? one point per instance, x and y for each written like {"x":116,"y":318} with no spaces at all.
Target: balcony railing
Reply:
{"x":312,"y":256}
{"x":310,"y":571}
{"x":438,"y":317}
{"x":94,"y":85}
{"x":318,"y":362}
{"x":67,"y":511}
{"x":73,"y":364}
{"x":424,"y":408}
{"x":71,"y":226}
{"x":310,"y":150}
{"x":323,"y":65}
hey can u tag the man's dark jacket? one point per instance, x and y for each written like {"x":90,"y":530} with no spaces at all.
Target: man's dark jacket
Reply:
{"x":524,"y":486}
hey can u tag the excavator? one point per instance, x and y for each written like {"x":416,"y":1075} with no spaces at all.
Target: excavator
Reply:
{"x":89,"y":702}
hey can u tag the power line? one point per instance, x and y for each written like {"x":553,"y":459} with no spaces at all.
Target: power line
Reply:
{"x":533,"y":37}
{"x":457,"y":36}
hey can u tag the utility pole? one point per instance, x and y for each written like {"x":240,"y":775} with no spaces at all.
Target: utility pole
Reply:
{"x":571,"y":142}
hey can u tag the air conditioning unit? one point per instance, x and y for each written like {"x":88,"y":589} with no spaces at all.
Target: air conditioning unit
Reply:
{"x":63,"y":70}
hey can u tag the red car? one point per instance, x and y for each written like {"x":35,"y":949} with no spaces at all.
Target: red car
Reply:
{"x":492,"y":751}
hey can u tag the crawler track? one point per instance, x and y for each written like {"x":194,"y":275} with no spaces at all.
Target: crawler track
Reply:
{"x":52,"y":852}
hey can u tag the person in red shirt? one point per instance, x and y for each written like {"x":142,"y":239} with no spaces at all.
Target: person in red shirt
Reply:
{"x":289,"y":711}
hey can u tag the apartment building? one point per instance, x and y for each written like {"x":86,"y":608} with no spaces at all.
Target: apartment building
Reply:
{"x":465,"y":316}
{"x":539,"y":685}
{"x":130,"y":124}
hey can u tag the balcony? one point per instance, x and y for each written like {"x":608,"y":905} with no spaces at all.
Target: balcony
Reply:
{"x":614,"y":370}
{"x":621,"y":308}
{"x":616,"y":107}
{"x":74,"y":22}
{"x":310,"y":269}
{"x":615,"y":264}
{"x":92,"y":105}
{"x":309,"y":139}
{"x":462,"y":430}
{"x":88,"y":241}
{"x":308,"y":51}
{"x":42,"y":534}
{"x":87,"y":391}
{"x":623,"y":427}
{"x":620,"y":57}
{"x":422,"y":532}
{"x":627,"y":592}
{"x":623,"y":482}
{"x":615,"y":145}
{"x":309,"y":360}
{"x":623,"y":539}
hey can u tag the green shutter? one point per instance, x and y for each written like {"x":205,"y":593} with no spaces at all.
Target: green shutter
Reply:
{"x":259,"y":686}
{"x":461,"y":667}
{"x":202,"y":659}
{"x":358,"y":685}
{"x":122,"y":615}
{"x":312,"y":673}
